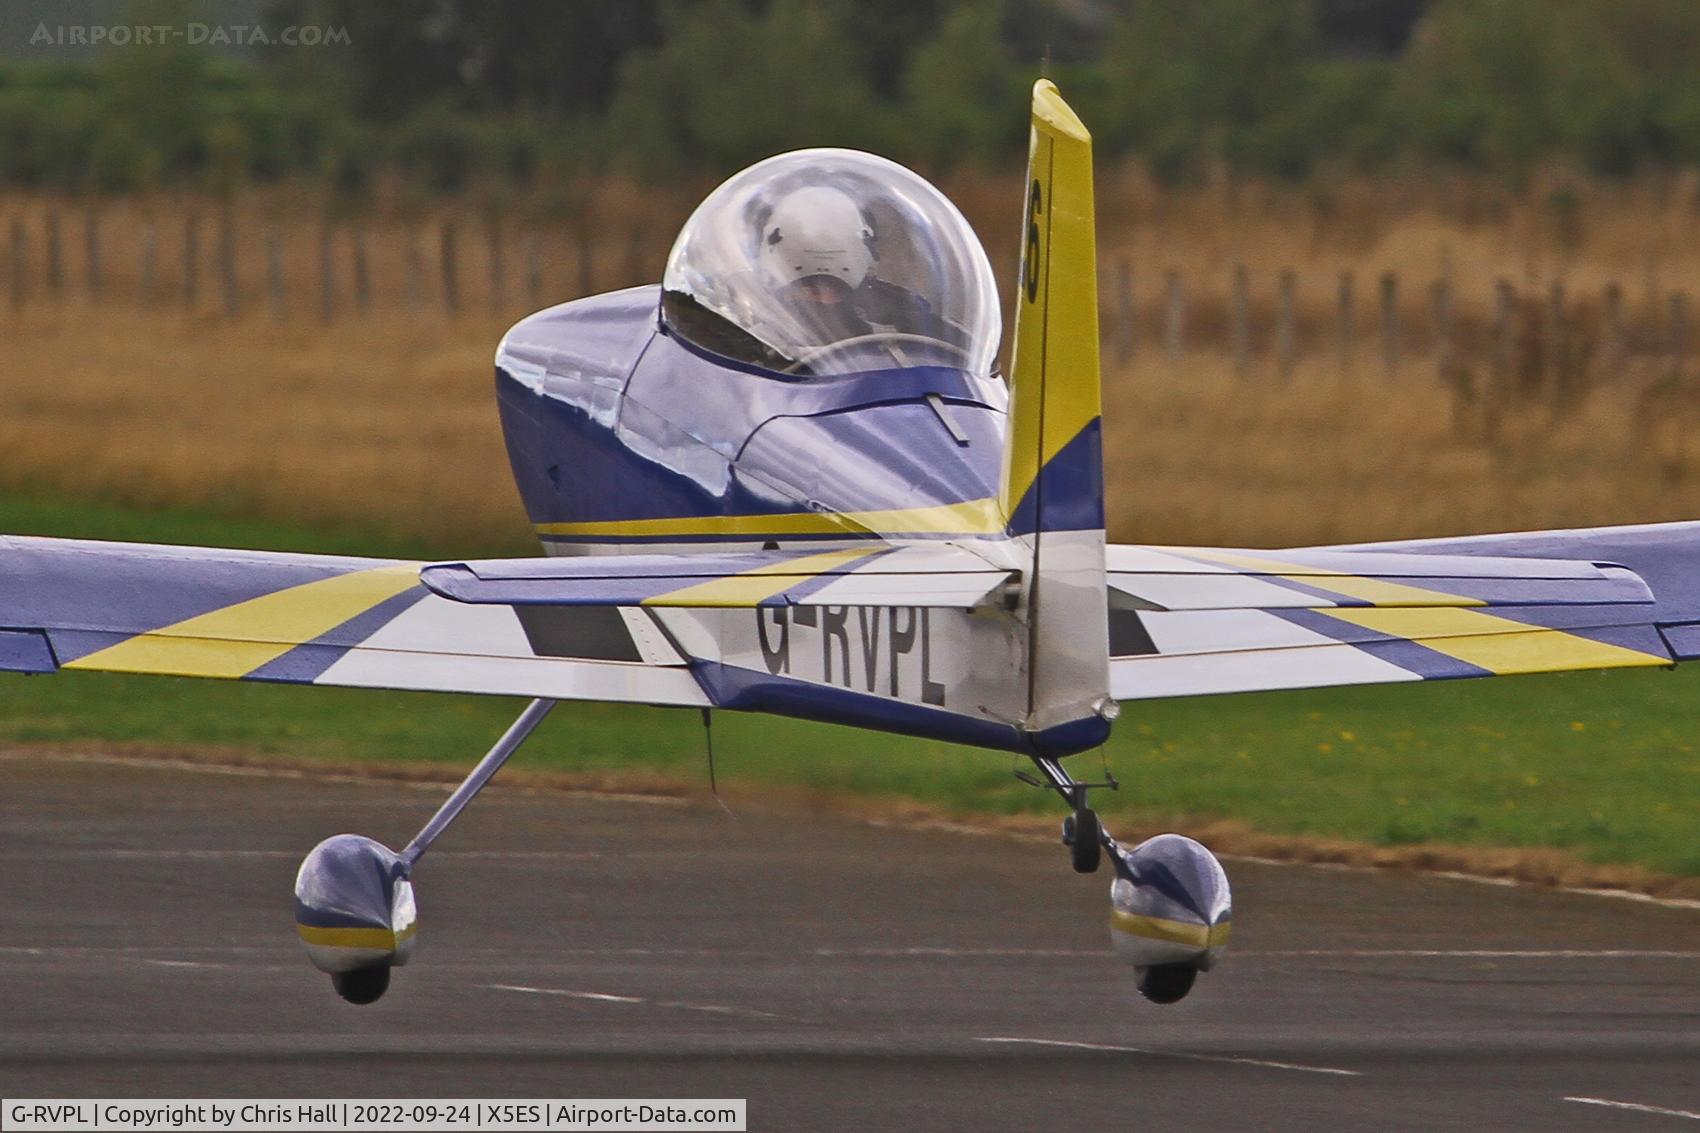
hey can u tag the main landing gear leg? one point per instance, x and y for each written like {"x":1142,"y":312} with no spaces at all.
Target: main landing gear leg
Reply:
{"x":354,"y":907}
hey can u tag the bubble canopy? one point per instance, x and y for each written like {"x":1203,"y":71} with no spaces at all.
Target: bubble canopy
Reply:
{"x":832,"y":261}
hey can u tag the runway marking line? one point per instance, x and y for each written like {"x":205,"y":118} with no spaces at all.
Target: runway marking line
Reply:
{"x":251,"y":771}
{"x":1190,"y":1056}
{"x":162,"y":854}
{"x":1637,"y":1107}
{"x":1475,"y":954}
{"x":924,"y":951}
{"x":605,"y":997}
{"x":566,"y":993}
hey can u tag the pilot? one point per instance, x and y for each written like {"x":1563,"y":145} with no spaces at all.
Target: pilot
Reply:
{"x":818,"y":256}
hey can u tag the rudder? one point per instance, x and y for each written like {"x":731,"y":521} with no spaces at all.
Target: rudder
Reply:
{"x":1052,"y":490}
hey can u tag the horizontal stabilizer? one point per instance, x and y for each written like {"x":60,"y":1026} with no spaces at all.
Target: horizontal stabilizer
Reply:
{"x":1194,"y":578}
{"x":929,"y":575}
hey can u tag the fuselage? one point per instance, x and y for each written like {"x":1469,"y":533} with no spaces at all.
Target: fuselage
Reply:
{"x":625,"y":438}
{"x":621,"y":434}
{"x":817,"y":370}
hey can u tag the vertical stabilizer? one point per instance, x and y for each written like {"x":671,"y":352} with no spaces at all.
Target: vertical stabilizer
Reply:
{"x":1052,"y":491}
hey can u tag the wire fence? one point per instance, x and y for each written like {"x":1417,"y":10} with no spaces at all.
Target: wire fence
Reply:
{"x":1552,"y":343}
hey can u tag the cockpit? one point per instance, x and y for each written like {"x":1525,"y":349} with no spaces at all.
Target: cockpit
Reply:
{"x":828,"y":261}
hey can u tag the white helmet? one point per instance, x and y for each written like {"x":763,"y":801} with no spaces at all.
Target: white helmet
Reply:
{"x":817,"y":231}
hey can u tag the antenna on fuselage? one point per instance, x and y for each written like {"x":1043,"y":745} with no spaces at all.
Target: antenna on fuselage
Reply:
{"x":708,"y":738}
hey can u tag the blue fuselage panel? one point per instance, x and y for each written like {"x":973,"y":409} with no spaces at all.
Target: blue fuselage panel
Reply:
{"x":610,"y":419}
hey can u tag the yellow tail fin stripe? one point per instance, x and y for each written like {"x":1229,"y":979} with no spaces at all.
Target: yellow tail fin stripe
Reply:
{"x":741,"y":591}
{"x":234,"y":641}
{"x":1498,"y":645}
{"x":1054,"y":378}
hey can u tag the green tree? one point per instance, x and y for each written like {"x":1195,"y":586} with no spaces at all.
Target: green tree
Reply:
{"x":1501,"y":83}
{"x":1185,"y":80}
{"x":964,"y":93}
{"x":162,"y":93}
{"x":730,"y":84}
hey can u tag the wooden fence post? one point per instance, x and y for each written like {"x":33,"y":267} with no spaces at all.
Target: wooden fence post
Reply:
{"x":415,"y":274}
{"x":20,"y":264}
{"x":586,"y":268}
{"x":91,"y":252}
{"x":1347,"y":327}
{"x":1613,"y":347}
{"x":636,"y":267}
{"x":1558,"y":344}
{"x":1678,"y":331}
{"x":1441,"y":296}
{"x":191,"y":259}
{"x":150,"y":257}
{"x":451,"y":287}
{"x":533,"y":273}
{"x":55,"y":257}
{"x":1124,"y":312}
{"x":327,"y":272}
{"x":1174,"y":330}
{"x":1240,"y":328}
{"x":227,"y":262}
{"x":1390,"y":322}
{"x":497,"y":268}
{"x":1504,"y":332}
{"x":274,"y":271}
{"x":362,"y":272}
{"x":1285,"y":337}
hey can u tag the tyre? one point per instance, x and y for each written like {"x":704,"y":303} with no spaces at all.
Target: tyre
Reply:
{"x":1086,"y":846}
{"x":362,"y":985}
{"x":1167,"y":983}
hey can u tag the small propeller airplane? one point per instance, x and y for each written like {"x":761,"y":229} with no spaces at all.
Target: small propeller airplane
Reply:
{"x":791,"y":480}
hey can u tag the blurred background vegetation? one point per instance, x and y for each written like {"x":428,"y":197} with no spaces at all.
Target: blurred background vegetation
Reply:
{"x":447,"y":90}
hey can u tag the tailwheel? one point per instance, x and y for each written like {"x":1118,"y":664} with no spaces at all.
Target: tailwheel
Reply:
{"x":1085,"y":841}
{"x":1082,"y":833}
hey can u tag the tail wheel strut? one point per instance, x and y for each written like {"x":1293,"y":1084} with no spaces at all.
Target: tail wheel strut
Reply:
{"x":1083,"y":834}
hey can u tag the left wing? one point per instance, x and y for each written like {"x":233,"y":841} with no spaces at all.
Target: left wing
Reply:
{"x":1188,"y":620}
{"x":556,"y":628}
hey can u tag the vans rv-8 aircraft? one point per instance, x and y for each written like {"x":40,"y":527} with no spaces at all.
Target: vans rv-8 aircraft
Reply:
{"x":791,"y":480}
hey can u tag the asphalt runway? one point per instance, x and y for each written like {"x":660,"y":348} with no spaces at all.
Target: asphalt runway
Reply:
{"x":838,"y":976}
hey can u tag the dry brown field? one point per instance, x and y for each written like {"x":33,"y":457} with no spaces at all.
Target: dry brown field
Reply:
{"x":371,"y":403}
